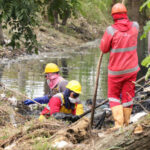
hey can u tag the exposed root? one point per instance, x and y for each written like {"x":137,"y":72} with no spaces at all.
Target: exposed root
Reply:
{"x":74,"y":134}
{"x":35,"y":129}
{"x":11,"y":140}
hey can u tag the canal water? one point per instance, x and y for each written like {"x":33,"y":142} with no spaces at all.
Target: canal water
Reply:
{"x":26,"y":76}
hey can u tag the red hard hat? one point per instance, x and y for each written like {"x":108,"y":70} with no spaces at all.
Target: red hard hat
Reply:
{"x":118,"y":8}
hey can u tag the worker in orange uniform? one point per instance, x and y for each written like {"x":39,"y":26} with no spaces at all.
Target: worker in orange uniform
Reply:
{"x":66,"y":105}
{"x":120,"y":40}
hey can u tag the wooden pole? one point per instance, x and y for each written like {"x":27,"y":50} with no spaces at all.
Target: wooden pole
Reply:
{"x":20,"y":94}
{"x":123,"y":1}
{"x":96,"y":86}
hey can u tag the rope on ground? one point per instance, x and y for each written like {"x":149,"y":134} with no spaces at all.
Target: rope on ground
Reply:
{"x":136,"y":102}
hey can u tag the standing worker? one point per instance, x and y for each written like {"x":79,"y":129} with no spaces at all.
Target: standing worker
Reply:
{"x":55,"y":82}
{"x":120,"y":39}
{"x":66,"y":105}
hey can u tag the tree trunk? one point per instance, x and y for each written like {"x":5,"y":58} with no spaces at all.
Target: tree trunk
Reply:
{"x":1,"y":35}
{"x":149,"y":42}
{"x":134,"y":14}
{"x":125,"y":139}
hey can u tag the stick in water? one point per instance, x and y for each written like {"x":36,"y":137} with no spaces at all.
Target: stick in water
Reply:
{"x":20,"y":94}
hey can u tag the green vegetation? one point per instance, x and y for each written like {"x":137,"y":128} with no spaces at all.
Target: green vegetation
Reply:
{"x":62,"y":9}
{"x":96,"y":11}
{"x":42,"y":144}
{"x":20,"y":17}
{"x":146,"y":5}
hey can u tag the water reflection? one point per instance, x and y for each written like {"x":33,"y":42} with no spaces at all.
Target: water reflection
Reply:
{"x":27,"y":76}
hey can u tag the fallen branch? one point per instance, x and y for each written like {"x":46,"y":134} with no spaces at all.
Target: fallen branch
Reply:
{"x":88,"y":111}
{"x":136,"y":102}
{"x":137,"y":84}
{"x":139,"y":80}
{"x":147,"y":83}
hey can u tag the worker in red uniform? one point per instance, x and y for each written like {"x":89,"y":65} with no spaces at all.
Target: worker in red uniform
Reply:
{"x":66,"y":105}
{"x":120,"y":40}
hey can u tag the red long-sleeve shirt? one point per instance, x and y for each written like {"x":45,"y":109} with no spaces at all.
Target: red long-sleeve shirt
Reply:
{"x":123,"y":49}
{"x":56,"y":104}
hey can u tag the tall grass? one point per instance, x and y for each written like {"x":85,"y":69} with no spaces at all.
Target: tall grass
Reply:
{"x":96,"y":11}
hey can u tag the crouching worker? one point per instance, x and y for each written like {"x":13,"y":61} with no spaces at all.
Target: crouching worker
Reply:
{"x":66,"y":105}
{"x":55,"y":82}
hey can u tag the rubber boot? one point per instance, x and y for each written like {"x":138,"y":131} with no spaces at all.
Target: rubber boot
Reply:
{"x":118,"y":116}
{"x":127,"y":114}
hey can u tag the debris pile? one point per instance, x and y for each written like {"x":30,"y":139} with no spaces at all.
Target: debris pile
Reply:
{"x":52,"y":131}
{"x":3,"y":116}
{"x":74,"y":134}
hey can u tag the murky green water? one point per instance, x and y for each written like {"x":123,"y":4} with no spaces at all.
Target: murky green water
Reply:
{"x":27,"y":76}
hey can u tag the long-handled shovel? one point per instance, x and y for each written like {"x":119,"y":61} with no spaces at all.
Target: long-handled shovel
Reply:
{"x":96,"y":86}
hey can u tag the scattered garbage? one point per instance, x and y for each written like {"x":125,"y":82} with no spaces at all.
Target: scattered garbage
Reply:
{"x":137,"y":116}
{"x":13,"y":101}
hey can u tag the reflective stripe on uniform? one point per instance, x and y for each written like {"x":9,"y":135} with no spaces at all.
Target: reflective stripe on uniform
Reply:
{"x":127,"y":104}
{"x":113,"y":100}
{"x":123,"y":71}
{"x":123,"y":49}
{"x":110,"y":30}
{"x":135,"y":24}
{"x":48,"y":107}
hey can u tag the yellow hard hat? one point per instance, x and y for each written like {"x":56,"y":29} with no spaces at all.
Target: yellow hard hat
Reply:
{"x":74,"y":86}
{"x":51,"y":67}
{"x":42,"y":118}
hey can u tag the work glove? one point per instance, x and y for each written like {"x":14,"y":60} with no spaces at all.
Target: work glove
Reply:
{"x":41,"y":100}
{"x":28,"y":102}
{"x":147,"y":74}
{"x":42,"y":118}
{"x":66,"y":117}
